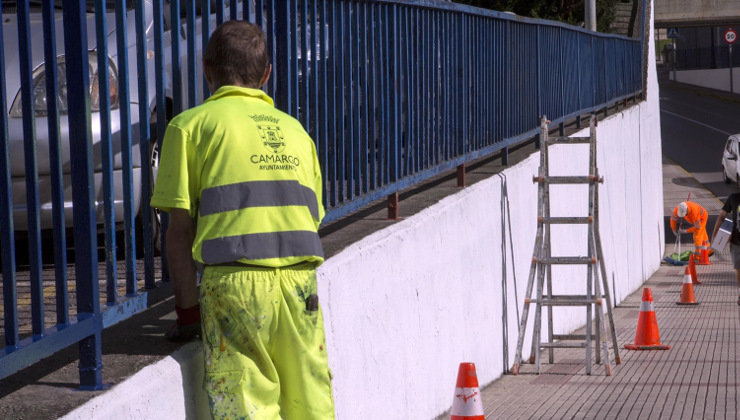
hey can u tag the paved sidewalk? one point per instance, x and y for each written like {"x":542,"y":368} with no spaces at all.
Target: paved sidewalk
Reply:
{"x":697,"y":378}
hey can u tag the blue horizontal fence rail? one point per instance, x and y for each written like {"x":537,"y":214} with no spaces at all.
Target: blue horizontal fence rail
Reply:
{"x":393,"y":93}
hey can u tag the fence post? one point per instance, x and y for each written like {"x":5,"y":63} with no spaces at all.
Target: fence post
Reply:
{"x":283,"y":93}
{"x":86,"y":261}
{"x":7,"y":240}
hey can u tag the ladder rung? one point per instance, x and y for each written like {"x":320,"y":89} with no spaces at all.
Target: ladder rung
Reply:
{"x":566,"y":220}
{"x":569,"y":140}
{"x":567,"y":179}
{"x":571,"y":337}
{"x":563,"y":345}
{"x":566,"y":260}
{"x":567,"y":300}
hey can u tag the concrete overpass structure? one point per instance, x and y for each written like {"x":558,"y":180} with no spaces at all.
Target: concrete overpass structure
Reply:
{"x":677,"y":13}
{"x":698,"y":54}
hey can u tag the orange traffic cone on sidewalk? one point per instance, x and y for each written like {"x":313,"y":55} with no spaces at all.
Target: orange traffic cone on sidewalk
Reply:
{"x":704,"y":257}
{"x":467,"y":404}
{"x":692,"y":270}
{"x":687,"y":290}
{"x":647,"y":336}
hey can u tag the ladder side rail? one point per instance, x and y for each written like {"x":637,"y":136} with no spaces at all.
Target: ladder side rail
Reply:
{"x":592,"y":283}
{"x":605,"y":282}
{"x":527,"y":296}
{"x":600,"y":255}
{"x":542,"y":270}
{"x":548,"y":254}
{"x":546,"y":284}
{"x":589,"y":315}
{"x":533,"y":269}
{"x":596,"y":250}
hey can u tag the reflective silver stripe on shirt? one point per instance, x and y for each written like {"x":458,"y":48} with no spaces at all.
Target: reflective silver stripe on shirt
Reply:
{"x":257,"y":194}
{"x":257,"y":246}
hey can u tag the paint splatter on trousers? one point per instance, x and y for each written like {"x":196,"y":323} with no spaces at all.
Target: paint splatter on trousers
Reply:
{"x":265,"y":351}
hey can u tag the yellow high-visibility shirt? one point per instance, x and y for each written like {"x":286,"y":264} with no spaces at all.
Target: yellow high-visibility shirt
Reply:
{"x":248,"y":173}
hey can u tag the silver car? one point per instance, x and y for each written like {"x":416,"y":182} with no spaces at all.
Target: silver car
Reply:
{"x":15,"y":113}
{"x":730,"y":163}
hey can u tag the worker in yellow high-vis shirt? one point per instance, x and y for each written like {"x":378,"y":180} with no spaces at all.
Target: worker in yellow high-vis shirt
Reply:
{"x":242,"y":185}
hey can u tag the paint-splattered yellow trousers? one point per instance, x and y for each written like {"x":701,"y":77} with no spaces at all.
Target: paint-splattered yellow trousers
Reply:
{"x":265,"y":351}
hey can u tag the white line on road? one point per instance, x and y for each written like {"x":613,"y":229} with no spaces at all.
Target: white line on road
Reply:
{"x":696,"y":122}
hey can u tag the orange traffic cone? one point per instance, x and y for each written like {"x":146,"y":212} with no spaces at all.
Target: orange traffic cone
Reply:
{"x":467,"y":404}
{"x":647,"y":336}
{"x":687,"y":290}
{"x":704,"y":257}
{"x":692,"y":270}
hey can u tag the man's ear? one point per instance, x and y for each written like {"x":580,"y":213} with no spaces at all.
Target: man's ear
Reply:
{"x":266,"y":76}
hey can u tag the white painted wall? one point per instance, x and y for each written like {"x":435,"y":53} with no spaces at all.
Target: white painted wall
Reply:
{"x":405,"y":305}
{"x":710,"y":78}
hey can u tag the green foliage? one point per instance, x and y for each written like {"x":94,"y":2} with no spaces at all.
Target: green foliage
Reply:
{"x":569,"y":11}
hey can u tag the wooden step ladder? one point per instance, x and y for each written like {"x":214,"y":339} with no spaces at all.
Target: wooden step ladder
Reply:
{"x":597,"y":293}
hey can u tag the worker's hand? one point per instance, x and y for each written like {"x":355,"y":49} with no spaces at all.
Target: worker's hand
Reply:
{"x":682,"y":231}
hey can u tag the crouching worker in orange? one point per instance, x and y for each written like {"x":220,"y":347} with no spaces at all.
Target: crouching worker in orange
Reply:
{"x":253,"y":223}
{"x":696,"y":217}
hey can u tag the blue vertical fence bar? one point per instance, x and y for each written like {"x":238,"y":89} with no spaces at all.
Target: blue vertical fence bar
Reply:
{"x":220,"y":12}
{"x":7,"y":237}
{"x":260,"y":11}
{"x":318,"y":58}
{"x":291,"y":72}
{"x":372,"y":96}
{"x":304,"y":80}
{"x":283,"y":94}
{"x":192,"y":54}
{"x":350,"y":98}
{"x":205,"y":14}
{"x":233,"y":10}
{"x":32,"y":194}
{"x":145,"y":145}
{"x":331,"y":147}
{"x":109,"y":221}
{"x":177,"y":85}
{"x":161,"y":107}
{"x":365,"y":103}
{"x":341,"y":100}
{"x":86,"y":262}
{"x":126,"y":148}
{"x":395,"y":99}
{"x":407,"y":73}
{"x":323,"y":141}
{"x":55,"y":165}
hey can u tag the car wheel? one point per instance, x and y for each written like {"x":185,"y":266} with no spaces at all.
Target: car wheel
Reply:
{"x":154,"y":214}
{"x":724,"y":175}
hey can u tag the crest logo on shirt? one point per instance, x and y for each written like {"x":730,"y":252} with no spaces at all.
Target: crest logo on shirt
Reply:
{"x":272,"y":137}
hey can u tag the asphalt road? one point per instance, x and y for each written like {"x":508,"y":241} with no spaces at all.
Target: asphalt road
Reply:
{"x":695,"y":124}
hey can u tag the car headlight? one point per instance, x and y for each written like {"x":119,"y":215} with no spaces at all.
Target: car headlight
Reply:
{"x":39,"y":88}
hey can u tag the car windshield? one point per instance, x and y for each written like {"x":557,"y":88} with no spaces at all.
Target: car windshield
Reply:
{"x":11,"y":6}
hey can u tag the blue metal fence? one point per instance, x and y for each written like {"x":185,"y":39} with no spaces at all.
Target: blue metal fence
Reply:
{"x":392,"y":92}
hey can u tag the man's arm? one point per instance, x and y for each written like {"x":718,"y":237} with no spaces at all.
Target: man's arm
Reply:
{"x":717,"y":224}
{"x":180,"y":236}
